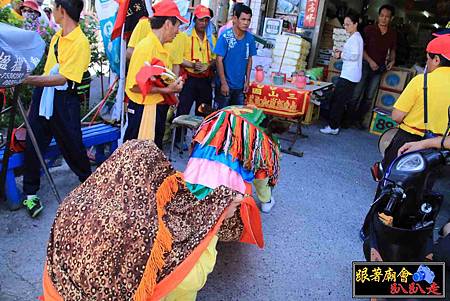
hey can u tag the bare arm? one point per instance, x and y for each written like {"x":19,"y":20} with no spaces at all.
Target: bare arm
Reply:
{"x":392,"y":56}
{"x":398,"y":115}
{"x":129,"y":53}
{"x":188,"y":64}
{"x":224,"y":89}
{"x":247,"y":75}
{"x":423,"y":144}
{"x":45,"y":80}
{"x":367,"y":57}
{"x":174,"y":87}
{"x":176,"y":69}
{"x":221,"y":70}
{"x":249,"y":69}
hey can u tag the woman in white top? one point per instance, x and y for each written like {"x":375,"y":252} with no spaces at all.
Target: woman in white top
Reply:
{"x":351,"y":55}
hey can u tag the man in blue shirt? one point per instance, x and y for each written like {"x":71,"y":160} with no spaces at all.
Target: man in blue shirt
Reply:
{"x":234,"y":51}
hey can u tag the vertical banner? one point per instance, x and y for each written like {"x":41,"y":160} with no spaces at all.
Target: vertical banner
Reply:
{"x":107,"y":11}
{"x":312,"y":6}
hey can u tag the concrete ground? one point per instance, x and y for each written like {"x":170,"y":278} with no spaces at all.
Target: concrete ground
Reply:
{"x":311,"y":235}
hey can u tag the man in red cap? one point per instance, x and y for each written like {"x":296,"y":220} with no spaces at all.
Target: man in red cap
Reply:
{"x":409,"y":111}
{"x":198,"y":62}
{"x":144,"y":121}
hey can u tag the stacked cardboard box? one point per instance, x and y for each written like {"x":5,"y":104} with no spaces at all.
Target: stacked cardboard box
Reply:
{"x":391,"y":86}
{"x":326,"y":41}
{"x":295,"y":50}
{"x":340,"y":36}
{"x":324,"y":57}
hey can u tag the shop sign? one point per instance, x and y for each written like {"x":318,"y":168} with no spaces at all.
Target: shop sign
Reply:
{"x":312,"y":6}
{"x":272,"y":27}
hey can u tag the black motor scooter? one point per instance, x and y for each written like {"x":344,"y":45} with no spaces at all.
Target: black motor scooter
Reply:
{"x":399,"y":225}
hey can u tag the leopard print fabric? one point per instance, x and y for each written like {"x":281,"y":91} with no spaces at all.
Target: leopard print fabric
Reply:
{"x":232,"y":228}
{"x":189,"y":223}
{"x":104,"y":230}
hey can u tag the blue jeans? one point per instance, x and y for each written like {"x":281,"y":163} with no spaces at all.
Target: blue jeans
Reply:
{"x":364,"y":92}
{"x":235,"y":97}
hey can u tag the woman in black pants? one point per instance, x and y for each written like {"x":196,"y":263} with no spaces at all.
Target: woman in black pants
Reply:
{"x":351,"y":55}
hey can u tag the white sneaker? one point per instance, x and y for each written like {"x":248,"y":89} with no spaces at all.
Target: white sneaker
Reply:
{"x":266,"y":207}
{"x":330,"y":131}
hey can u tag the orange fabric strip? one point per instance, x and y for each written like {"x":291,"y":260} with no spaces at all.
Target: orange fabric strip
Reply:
{"x":176,"y":277}
{"x":251,"y":219}
{"x":50,"y":292}
{"x":163,"y":241}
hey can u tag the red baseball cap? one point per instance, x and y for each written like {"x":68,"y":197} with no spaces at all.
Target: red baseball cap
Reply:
{"x":168,"y":8}
{"x":31,"y":4}
{"x":440,"y":45}
{"x":201,"y":12}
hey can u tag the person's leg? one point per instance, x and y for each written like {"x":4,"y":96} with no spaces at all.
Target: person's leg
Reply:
{"x":161,"y":116}
{"x":66,"y":127}
{"x":187,"y":97}
{"x":397,"y":142}
{"x":372,"y":87}
{"x":358,"y":93}
{"x":343,"y":88}
{"x":195,"y":280}
{"x":203,"y":90}
{"x":134,"y":116}
{"x":221,"y":100}
{"x":264,"y":194}
{"x":32,"y":176}
{"x":32,"y":166}
{"x":237,"y":97}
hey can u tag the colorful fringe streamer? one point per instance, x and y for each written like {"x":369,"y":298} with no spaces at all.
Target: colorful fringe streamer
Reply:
{"x":230,"y":132}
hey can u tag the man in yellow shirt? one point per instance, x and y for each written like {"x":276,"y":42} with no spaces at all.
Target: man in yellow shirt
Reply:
{"x":198,"y":62}
{"x":55,"y":107}
{"x":143,"y":120}
{"x":175,"y":48}
{"x":409,"y":110}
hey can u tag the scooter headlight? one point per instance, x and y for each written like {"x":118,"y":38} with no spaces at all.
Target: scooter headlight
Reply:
{"x":413,"y":162}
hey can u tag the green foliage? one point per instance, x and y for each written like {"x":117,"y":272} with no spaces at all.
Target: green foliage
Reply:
{"x":91,"y":29}
{"x":6,"y":16}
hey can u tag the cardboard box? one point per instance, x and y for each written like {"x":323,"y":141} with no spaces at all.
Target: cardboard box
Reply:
{"x":395,"y":80}
{"x":333,"y":76}
{"x":381,"y":122}
{"x":386,"y":99}
{"x":335,"y":65}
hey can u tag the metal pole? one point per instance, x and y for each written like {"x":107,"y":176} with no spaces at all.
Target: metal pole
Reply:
{"x":36,"y":148}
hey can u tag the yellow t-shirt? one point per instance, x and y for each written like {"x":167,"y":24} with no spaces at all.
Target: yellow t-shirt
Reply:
{"x":141,"y":30}
{"x":411,"y":102}
{"x":196,"y":50}
{"x":147,"y":49}
{"x":74,"y":54}
{"x":175,"y":48}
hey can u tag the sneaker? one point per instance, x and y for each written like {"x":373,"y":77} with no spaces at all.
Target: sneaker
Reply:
{"x":34,"y":206}
{"x":330,"y":131}
{"x":266,"y":207}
